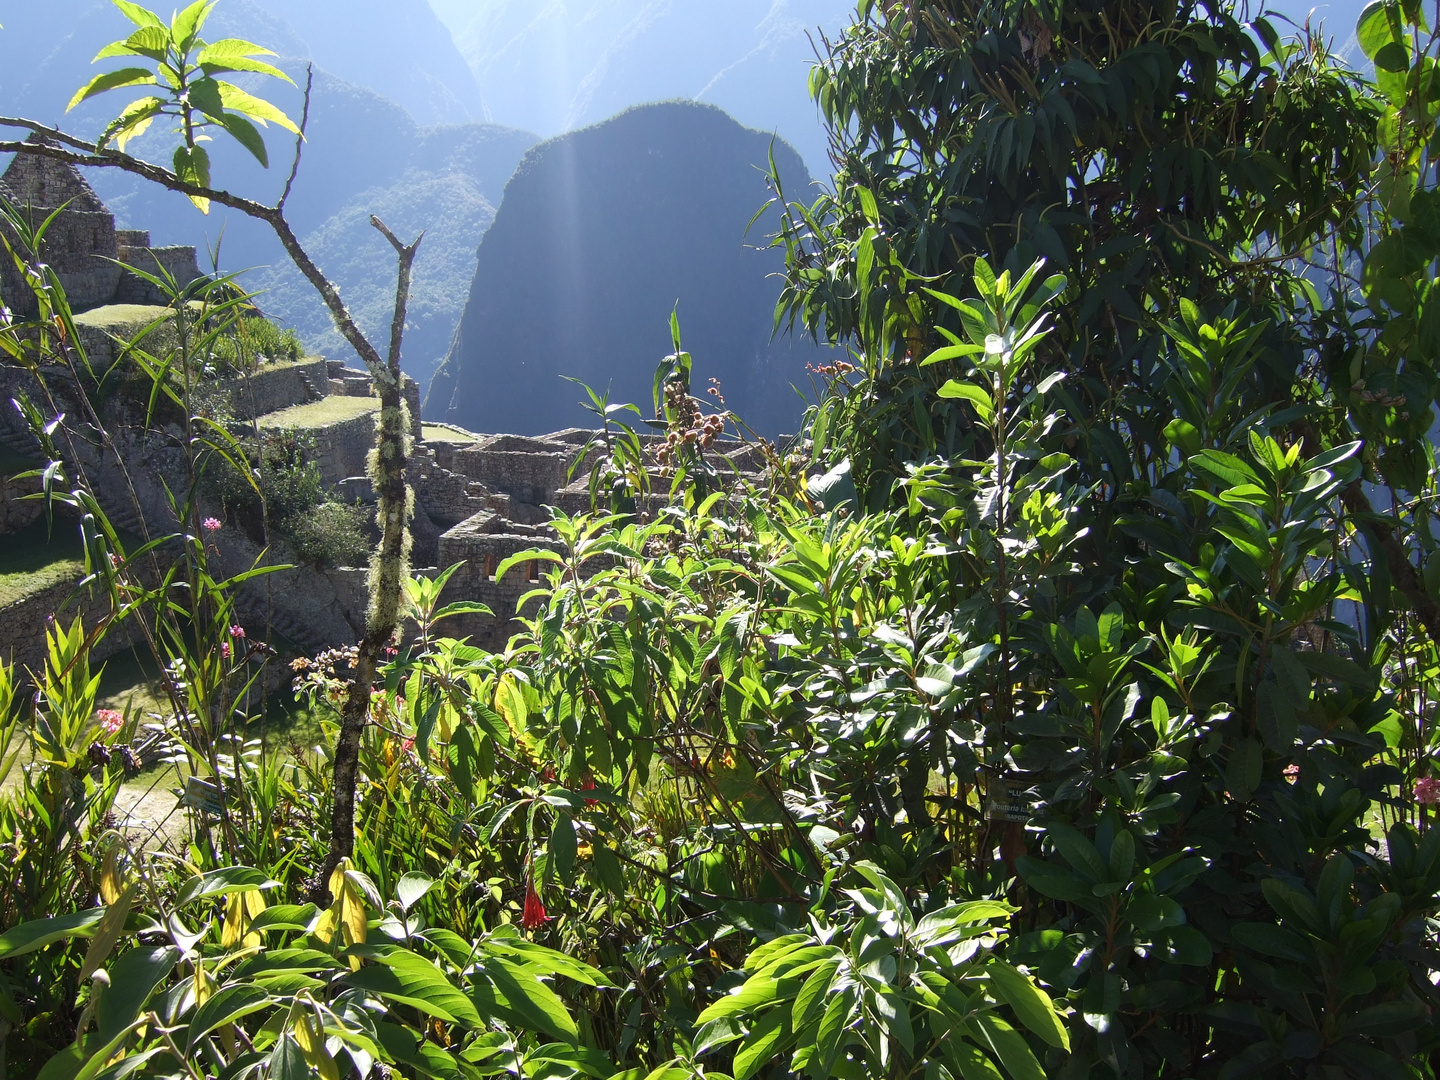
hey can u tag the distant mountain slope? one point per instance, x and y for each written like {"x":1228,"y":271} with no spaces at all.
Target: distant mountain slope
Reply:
{"x":554,"y":65}
{"x":396,"y":48}
{"x":365,"y":154}
{"x":601,"y":234}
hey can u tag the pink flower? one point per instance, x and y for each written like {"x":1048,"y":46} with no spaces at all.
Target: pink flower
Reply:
{"x":211,"y":524}
{"x":407,"y":746}
{"x":1427,"y":791}
{"x":111,"y":720}
{"x":237,"y":631}
{"x":1292,"y":773}
{"x":225,"y":649}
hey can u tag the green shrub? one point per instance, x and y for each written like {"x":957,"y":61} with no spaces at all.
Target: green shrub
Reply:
{"x":253,"y":341}
{"x":290,"y":482}
{"x":331,"y":534}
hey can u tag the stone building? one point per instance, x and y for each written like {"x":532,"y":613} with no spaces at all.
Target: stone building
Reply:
{"x":82,"y":243}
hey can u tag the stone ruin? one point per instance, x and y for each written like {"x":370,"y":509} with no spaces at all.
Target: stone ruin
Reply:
{"x":478,"y":498}
{"x":82,"y":243}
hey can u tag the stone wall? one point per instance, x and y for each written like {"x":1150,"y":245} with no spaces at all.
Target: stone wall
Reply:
{"x":99,"y":331}
{"x":180,"y":262}
{"x":448,"y":497}
{"x":341,"y":449}
{"x":23,"y":625}
{"x":277,"y":386}
{"x":529,"y":470}
{"x":17,"y":512}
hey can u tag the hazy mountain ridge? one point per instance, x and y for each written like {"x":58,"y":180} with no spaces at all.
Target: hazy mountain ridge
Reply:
{"x":554,"y":65}
{"x":601,"y":234}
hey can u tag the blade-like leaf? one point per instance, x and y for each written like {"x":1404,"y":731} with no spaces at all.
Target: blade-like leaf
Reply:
{"x":238,"y":100}
{"x":138,"y":15}
{"x":1031,"y":1004}
{"x":112,"y":80}
{"x":29,"y":936}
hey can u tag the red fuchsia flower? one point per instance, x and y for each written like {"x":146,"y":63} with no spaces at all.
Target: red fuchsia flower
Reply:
{"x":1427,"y":791}
{"x":534,"y":916}
{"x":111,"y":720}
{"x":211,"y":524}
{"x":237,"y":631}
{"x":589,"y":785}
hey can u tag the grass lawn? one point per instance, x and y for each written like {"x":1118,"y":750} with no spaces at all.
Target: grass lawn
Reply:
{"x":113,"y":316}
{"x":445,"y":433}
{"x":37,"y":558}
{"x":319,"y":414}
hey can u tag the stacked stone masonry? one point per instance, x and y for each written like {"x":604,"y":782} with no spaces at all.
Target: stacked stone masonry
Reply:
{"x":82,"y":243}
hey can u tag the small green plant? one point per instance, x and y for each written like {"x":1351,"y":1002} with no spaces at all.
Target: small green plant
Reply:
{"x":331,"y":533}
{"x":254,"y":340}
{"x":185,"y":70}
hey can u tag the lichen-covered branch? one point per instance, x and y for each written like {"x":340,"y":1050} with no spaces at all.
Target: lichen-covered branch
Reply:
{"x":387,"y":570}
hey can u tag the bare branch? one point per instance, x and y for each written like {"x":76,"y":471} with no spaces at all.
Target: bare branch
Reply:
{"x":402,"y":289}
{"x":299,"y":139}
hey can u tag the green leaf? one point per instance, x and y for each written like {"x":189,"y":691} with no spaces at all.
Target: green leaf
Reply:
{"x":256,"y":108}
{"x":760,"y":1045}
{"x":187,"y":24}
{"x":533,"y":1004}
{"x":757,"y":992}
{"x":107,"y":933}
{"x":132,"y":123}
{"x":976,"y":395}
{"x":529,"y":555}
{"x":548,"y":961}
{"x":972,"y":1063}
{"x":223,"y":882}
{"x":1244,"y":770}
{"x":1226,"y":467}
{"x":608,"y":869}
{"x":411,"y":888}
{"x":246,"y":134}
{"x":1377,"y":26}
{"x":1031,"y":1004}
{"x":230,"y":1004}
{"x":112,"y":80}
{"x":138,"y":15}
{"x":1010,"y":1047}
{"x":27,"y":937}
{"x":133,"y":978}
{"x":1271,"y":940}
{"x":287,"y":1060}
{"x":404,"y":976}
{"x":193,"y":167}
{"x":562,"y":848}
{"x":284,"y":917}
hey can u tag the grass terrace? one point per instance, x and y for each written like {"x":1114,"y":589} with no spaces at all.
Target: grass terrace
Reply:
{"x":319,"y":414}
{"x":39,"y":558}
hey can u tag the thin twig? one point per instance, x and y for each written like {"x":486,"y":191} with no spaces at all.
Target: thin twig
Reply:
{"x":299,"y":138}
